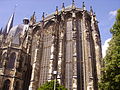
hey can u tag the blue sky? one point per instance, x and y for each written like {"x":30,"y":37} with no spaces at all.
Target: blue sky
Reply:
{"x":104,"y":9}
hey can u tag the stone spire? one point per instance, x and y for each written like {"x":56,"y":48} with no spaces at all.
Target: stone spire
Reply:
{"x":32,"y":19}
{"x":9,"y":24}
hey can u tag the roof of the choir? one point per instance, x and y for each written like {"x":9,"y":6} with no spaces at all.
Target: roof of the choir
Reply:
{"x":67,"y":9}
{"x":52,"y":15}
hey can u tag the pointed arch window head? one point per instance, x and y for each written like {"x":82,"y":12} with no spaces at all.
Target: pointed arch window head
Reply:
{"x":4,"y":56}
{"x":11,"y":60}
{"x":6,"y":85}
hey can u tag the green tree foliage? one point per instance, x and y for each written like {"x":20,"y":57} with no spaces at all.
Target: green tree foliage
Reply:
{"x":50,"y":86}
{"x":111,"y":71}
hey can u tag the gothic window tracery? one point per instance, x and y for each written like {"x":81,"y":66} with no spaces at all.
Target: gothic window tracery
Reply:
{"x":11,"y":60}
{"x":1,"y":61}
{"x":6,"y":85}
{"x":3,"y":57}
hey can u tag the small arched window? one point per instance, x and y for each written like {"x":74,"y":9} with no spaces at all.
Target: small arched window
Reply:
{"x":6,"y":85}
{"x":11,"y":60}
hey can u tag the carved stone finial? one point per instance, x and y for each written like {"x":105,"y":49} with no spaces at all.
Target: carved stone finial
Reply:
{"x":95,"y":17}
{"x":34,"y":13}
{"x":56,"y":12}
{"x":83,"y":6}
{"x":43,"y":16}
{"x":91,"y":10}
{"x":73,"y":4}
{"x":63,"y":12}
{"x":63,"y":8}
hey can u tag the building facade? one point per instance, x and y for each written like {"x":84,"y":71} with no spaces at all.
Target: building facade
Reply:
{"x":65,"y":46}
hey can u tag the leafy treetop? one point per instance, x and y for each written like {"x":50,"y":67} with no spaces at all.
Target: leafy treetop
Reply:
{"x":50,"y":86}
{"x":111,"y":72}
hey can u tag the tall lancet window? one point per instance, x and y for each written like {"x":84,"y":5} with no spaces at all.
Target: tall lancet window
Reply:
{"x":11,"y":60}
{"x":69,"y":55}
{"x":6,"y":85}
{"x":1,"y":60}
{"x":3,"y":57}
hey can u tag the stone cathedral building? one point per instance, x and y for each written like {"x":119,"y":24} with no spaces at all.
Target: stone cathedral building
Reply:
{"x":65,"y":46}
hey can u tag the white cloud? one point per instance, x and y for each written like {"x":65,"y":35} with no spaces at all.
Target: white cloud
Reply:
{"x":105,"y":46}
{"x":113,"y":13}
